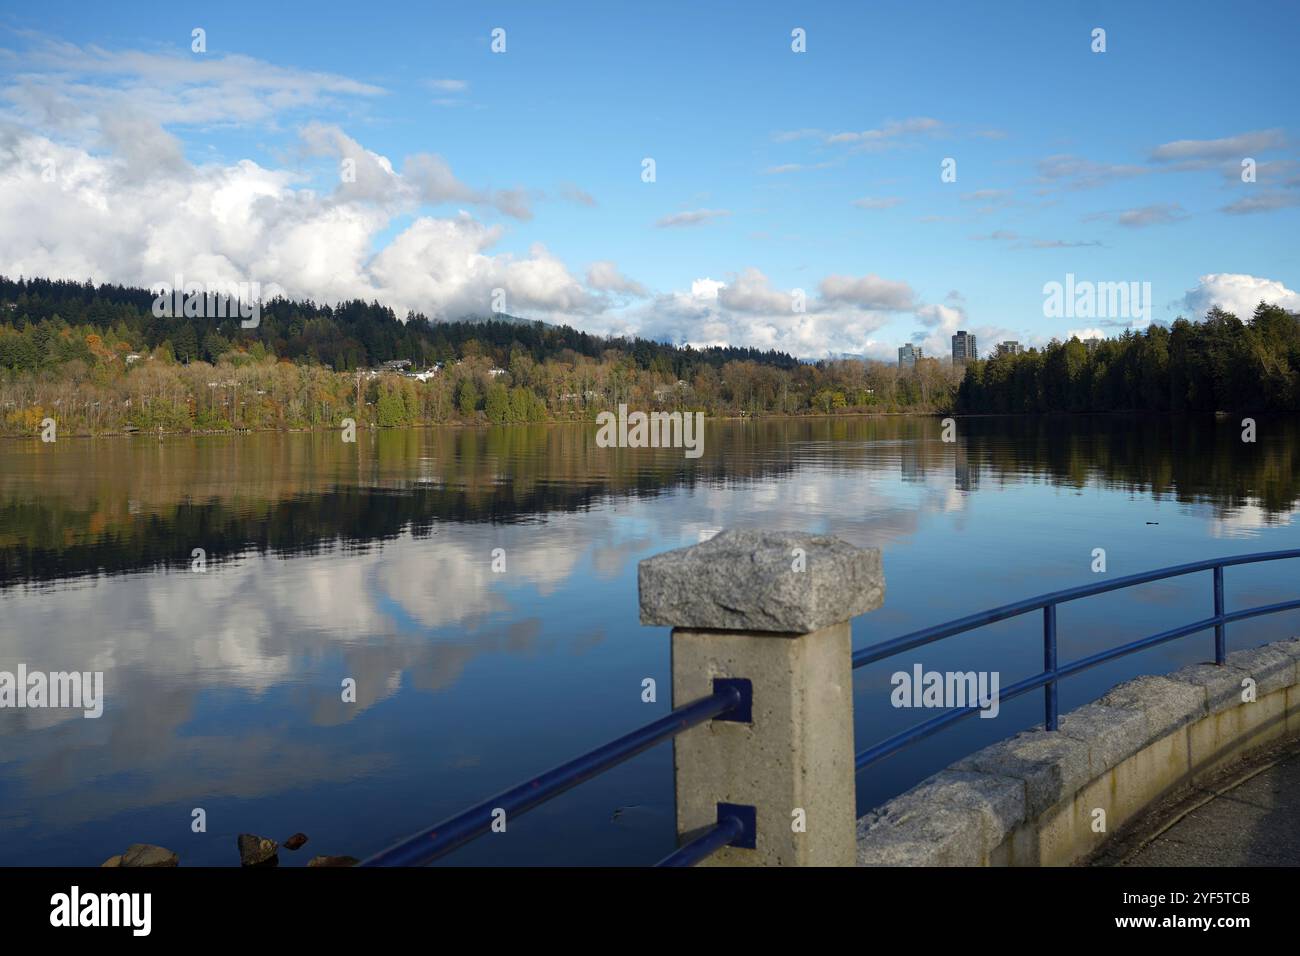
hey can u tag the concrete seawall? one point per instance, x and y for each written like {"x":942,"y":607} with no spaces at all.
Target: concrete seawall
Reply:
{"x":1049,"y":799}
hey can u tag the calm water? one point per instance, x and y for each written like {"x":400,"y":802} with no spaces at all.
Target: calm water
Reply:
{"x":374,"y":561}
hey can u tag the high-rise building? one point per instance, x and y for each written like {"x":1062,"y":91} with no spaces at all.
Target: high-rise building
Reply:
{"x":963,"y":348}
{"x":1010,"y":347}
{"x":908,"y":354}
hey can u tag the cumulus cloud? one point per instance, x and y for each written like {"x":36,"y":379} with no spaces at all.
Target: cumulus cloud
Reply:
{"x":938,"y":323}
{"x":1084,"y":334}
{"x":751,"y":292}
{"x":1238,"y":294}
{"x":868,"y":292}
{"x":434,"y":183}
{"x":246,"y":223}
{"x":604,"y":275}
{"x":747,"y":309}
{"x":146,"y":148}
{"x":369,"y":175}
{"x":104,"y":190}
{"x":445,"y":262}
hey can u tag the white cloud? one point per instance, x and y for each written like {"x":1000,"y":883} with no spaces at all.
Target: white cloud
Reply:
{"x":604,"y":275}
{"x":126,"y":205}
{"x":1262,"y":202}
{"x":841,"y":317}
{"x":1084,"y":334}
{"x":752,"y":292}
{"x":1158,"y":214}
{"x":869,"y":291}
{"x":693,"y":217}
{"x":431,"y":177}
{"x":444,"y":262}
{"x":890,"y":135}
{"x":1229,"y":147}
{"x":1238,"y":294}
{"x":245,"y":223}
{"x":941,"y":321}
{"x":65,"y":86}
{"x":1079,"y":173}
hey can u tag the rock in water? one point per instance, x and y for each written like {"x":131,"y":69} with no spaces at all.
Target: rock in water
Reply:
{"x":295,"y":841}
{"x":333,"y":861}
{"x":112,"y":861}
{"x":146,"y":854}
{"x":257,"y":851}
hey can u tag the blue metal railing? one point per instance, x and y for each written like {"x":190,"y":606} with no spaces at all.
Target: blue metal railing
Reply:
{"x":1052,"y":671}
{"x":427,"y":845}
{"x":736,"y":826}
{"x":732,"y":699}
{"x":721,"y":834}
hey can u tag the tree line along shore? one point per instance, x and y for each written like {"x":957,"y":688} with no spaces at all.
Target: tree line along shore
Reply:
{"x":97,"y":360}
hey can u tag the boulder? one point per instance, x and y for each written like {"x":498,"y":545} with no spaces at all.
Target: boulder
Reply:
{"x":257,"y":851}
{"x":146,"y":854}
{"x":333,"y":861}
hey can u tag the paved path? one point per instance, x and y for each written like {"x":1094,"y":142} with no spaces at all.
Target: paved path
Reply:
{"x":1255,"y":821}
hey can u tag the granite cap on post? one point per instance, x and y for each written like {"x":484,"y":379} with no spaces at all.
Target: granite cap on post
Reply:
{"x":746,"y":581}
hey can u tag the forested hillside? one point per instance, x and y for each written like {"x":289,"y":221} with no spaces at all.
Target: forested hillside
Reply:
{"x":96,"y":359}
{"x":1220,"y":364}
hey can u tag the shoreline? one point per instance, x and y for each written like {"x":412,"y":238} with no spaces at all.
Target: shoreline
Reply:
{"x":1217,"y":416}
{"x":199,"y":433}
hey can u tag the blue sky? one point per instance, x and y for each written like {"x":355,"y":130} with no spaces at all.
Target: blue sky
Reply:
{"x":775,"y":170}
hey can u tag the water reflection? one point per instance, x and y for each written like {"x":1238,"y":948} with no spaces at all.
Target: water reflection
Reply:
{"x":374,"y":562}
{"x":112,"y":506}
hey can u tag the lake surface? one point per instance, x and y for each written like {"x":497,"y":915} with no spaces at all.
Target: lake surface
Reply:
{"x":374,"y":561}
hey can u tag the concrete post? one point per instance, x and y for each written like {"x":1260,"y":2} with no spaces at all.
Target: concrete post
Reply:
{"x":774,"y":609}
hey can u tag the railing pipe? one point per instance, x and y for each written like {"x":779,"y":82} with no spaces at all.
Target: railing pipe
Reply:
{"x":929,"y":635}
{"x":727,"y":616}
{"x":454,"y":832}
{"x":1049,"y":666}
{"x":1053,"y":670}
{"x":722,"y":833}
{"x":1220,"y":631}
